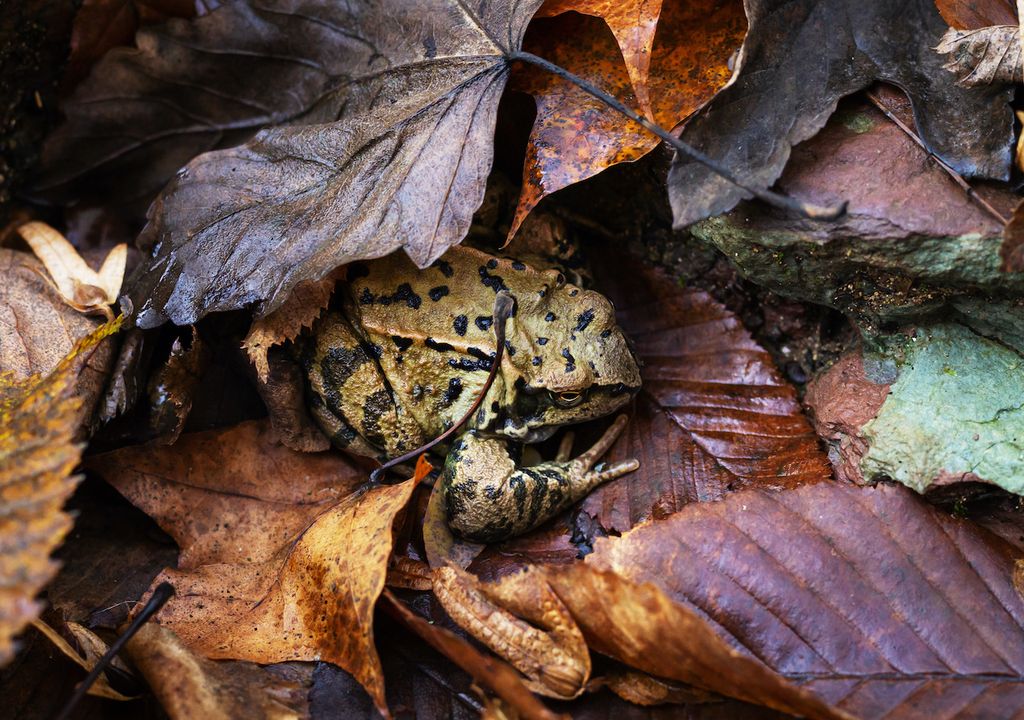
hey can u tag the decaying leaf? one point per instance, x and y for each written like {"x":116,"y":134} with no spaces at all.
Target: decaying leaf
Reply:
{"x":632,"y":22}
{"x":303,"y":306}
{"x":1012,"y":250}
{"x":868,"y":597}
{"x":172,"y":386}
{"x":281,"y":560}
{"x":189,"y":686}
{"x":85,"y":289}
{"x":973,"y":14}
{"x":576,"y":136}
{"x":399,"y":160}
{"x":489,"y":672}
{"x":714,"y":415}
{"x":92,"y":649}
{"x":523,"y":622}
{"x":798,"y":59}
{"x":38,"y":421}
{"x":986,"y":56}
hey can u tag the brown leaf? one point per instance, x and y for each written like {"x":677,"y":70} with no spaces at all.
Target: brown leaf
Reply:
{"x":493,"y":674}
{"x":576,"y":136}
{"x":1012,"y":250}
{"x":835,"y":48}
{"x":38,"y":420}
{"x":273,"y":567}
{"x":37,"y":328}
{"x":714,"y":415}
{"x":868,"y":597}
{"x":974,"y":14}
{"x":303,"y":306}
{"x":842,"y":399}
{"x":189,"y":686}
{"x":92,"y":649}
{"x":401,"y":163}
{"x":229,"y":496}
{"x":173,"y":385}
{"x":987,"y":56}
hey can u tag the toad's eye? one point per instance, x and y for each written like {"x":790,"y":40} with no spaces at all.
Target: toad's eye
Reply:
{"x":567,"y":399}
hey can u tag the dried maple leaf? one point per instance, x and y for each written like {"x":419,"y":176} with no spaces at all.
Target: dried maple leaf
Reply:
{"x":576,"y":136}
{"x":84,"y":289}
{"x":281,"y":560}
{"x":38,"y":420}
{"x":798,"y":59}
{"x":399,"y":161}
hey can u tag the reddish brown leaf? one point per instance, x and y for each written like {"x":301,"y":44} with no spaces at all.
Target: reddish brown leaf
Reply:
{"x":714,"y":414}
{"x":869,"y":597}
{"x":632,"y":22}
{"x":973,"y":14}
{"x":1012,"y":250}
{"x":576,"y":136}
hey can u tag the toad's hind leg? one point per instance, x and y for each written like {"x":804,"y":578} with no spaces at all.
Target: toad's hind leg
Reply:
{"x":489,"y":498}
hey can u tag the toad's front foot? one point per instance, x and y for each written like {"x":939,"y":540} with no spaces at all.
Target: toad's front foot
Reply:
{"x":489,"y":498}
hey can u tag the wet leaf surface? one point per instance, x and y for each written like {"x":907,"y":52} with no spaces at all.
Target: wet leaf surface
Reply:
{"x":666,"y":76}
{"x":868,"y":597}
{"x":245,"y":225}
{"x":834,"y":48}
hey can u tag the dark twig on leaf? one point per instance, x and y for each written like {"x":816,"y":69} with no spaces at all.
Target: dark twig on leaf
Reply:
{"x":956,"y":177}
{"x":504,"y":304}
{"x":784,"y":202}
{"x":164,"y":591}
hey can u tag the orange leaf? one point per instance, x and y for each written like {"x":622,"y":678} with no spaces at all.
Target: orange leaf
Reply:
{"x":576,"y":136}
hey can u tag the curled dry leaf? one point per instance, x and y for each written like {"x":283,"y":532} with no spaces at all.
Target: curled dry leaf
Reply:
{"x":274,"y":567}
{"x":523,"y":622}
{"x":399,"y":161}
{"x":84,"y":289}
{"x":489,"y":672}
{"x":834,"y":47}
{"x":303,"y":306}
{"x":576,"y":136}
{"x":173,"y":385}
{"x":38,"y":421}
{"x":643,"y":689}
{"x":189,"y":686}
{"x":868,"y":597}
{"x":92,"y":649}
{"x":986,"y":56}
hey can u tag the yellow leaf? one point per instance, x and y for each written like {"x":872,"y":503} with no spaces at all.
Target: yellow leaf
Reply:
{"x":38,"y":420}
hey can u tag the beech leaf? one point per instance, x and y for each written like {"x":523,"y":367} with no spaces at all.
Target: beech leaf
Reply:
{"x":798,"y":59}
{"x":399,"y":160}
{"x":986,"y":56}
{"x":38,"y":420}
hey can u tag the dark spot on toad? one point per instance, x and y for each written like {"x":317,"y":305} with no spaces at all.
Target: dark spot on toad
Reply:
{"x":516,"y":265}
{"x":494,"y":282}
{"x":435,"y":345}
{"x":460,"y":324}
{"x":550,"y":317}
{"x":438,"y":292}
{"x":584,"y":320}
{"x":570,"y":361}
{"x":606,"y":333}
{"x":452,"y":393}
{"x":484,"y":322}
{"x":511,"y":350}
{"x":401,"y":343}
{"x":542,"y":341}
{"x":537,"y":360}
{"x":372,"y":350}
{"x":492,"y":263}
{"x":445,"y":268}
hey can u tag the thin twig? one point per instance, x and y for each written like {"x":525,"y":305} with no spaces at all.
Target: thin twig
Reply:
{"x":814,"y":212}
{"x":953,"y":174}
{"x":504,"y":303}
{"x":164,"y":591}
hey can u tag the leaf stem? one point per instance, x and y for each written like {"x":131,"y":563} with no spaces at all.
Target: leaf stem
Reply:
{"x":809,"y":210}
{"x":157,"y":600}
